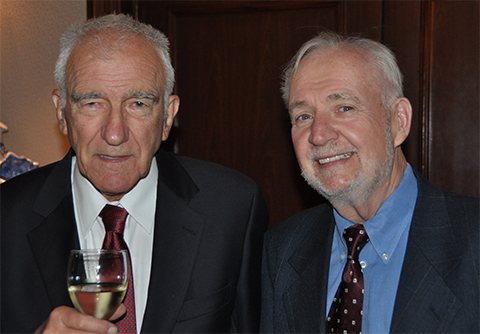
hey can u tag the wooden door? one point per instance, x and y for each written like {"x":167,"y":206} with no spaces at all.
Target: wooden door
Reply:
{"x":229,"y":57}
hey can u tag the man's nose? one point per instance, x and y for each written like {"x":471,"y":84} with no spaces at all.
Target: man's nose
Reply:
{"x":322,"y":131}
{"x":115,"y":130}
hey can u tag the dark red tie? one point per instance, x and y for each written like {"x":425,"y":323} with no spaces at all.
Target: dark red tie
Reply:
{"x":345,"y":315}
{"x":114,"y":218}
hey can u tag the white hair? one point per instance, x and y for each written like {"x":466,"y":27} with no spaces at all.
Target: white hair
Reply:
{"x":119,"y":23}
{"x":382,"y":57}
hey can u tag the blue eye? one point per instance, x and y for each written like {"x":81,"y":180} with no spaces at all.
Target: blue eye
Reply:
{"x":346,"y":108}
{"x":303,"y":117}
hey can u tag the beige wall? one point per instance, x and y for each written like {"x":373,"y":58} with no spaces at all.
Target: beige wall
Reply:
{"x":30,"y":32}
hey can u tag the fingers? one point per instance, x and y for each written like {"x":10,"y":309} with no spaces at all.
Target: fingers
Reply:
{"x":68,"y":320}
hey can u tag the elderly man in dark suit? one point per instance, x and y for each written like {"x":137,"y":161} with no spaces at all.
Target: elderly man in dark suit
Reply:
{"x":390,"y":252}
{"x":194,"y":229}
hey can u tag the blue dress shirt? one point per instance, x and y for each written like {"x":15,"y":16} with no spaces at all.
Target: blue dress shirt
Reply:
{"x":381,"y":258}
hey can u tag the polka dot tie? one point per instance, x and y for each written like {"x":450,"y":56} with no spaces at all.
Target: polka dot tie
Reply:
{"x":345,"y":315}
{"x":114,"y":218}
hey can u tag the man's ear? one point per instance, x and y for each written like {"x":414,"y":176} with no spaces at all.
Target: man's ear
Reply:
{"x":62,"y":123}
{"x":401,"y":120}
{"x":173,"y":105}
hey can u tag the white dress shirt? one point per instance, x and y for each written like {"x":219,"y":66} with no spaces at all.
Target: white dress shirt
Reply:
{"x":140,"y":203}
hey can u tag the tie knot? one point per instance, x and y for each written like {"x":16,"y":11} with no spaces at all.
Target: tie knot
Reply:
{"x":113,"y":218}
{"x":356,"y":237}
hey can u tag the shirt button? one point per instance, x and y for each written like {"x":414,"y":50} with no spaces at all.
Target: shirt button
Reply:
{"x":363,"y":264}
{"x":385,"y":256}
{"x":342,"y":256}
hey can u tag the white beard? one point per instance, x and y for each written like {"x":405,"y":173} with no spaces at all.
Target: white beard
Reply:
{"x":362,"y":186}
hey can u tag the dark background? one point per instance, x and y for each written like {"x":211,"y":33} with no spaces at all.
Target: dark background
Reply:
{"x":229,"y":56}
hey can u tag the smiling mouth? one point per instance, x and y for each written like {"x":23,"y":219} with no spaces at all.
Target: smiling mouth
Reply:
{"x":334,"y":158}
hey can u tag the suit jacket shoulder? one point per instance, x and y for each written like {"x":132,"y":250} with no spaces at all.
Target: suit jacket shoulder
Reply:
{"x":25,"y":188}
{"x":439,"y":285}
{"x":37,"y":233}
{"x":290,"y":234}
{"x":176,"y":170}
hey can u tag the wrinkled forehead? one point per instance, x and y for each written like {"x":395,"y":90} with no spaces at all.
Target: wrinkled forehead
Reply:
{"x":342,"y":61}
{"x":107,"y":45}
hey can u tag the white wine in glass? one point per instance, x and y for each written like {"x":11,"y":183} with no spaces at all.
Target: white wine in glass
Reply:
{"x":97,"y":280}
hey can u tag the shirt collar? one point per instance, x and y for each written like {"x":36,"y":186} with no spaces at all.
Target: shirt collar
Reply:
{"x":392,"y":219}
{"x":139,"y":202}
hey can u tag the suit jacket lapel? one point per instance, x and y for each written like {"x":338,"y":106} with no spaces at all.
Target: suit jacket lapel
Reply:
{"x":56,"y":233}
{"x":305,"y":300}
{"x":178,"y":231}
{"x":425,"y":302}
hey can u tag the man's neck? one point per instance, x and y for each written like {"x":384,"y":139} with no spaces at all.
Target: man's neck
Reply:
{"x":361,"y":210}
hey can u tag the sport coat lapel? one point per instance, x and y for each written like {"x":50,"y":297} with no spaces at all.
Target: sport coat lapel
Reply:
{"x":55,"y":234}
{"x":305,"y":299}
{"x":425,"y":302}
{"x":178,"y":231}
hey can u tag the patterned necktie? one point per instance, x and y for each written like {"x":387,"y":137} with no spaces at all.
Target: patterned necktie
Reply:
{"x":345,"y":315}
{"x":114,"y":218}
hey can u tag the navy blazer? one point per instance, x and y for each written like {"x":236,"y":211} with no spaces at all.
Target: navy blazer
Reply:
{"x":209,"y":225}
{"x":438,"y":290}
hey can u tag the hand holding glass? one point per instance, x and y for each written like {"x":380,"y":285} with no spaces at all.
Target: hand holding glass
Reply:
{"x":97,"y":280}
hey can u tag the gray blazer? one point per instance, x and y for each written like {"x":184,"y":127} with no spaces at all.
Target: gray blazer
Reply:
{"x":439,"y":283}
{"x":205,"y":277}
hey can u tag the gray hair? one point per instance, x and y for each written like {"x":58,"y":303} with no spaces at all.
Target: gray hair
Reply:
{"x":119,"y":23}
{"x":381,"y":56}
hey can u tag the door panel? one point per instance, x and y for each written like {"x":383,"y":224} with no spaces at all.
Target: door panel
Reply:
{"x":229,"y":58}
{"x":454,"y":95}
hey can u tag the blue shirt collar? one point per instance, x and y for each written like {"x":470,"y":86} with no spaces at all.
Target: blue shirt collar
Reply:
{"x":392,"y":218}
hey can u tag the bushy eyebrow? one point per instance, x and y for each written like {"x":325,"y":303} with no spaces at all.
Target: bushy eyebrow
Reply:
{"x":342,"y":96}
{"x":296,"y":105}
{"x":85,"y":96}
{"x":145,"y":95}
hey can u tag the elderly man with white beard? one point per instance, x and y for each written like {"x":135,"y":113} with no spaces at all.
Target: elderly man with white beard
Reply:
{"x":390,"y":252}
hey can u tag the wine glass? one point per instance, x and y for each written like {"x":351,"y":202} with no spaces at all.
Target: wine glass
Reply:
{"x":97,"y":280}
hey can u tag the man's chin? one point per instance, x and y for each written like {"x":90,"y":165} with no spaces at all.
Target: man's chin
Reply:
{"x":333,"y":193}
{"x":115,"y":193}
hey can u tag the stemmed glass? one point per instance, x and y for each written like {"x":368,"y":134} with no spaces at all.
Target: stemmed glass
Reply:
{"x":97,"y":280}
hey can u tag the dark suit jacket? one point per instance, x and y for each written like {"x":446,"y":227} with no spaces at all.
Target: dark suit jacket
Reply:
{"x":209,"y":226}
{"x":439,"y":284}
